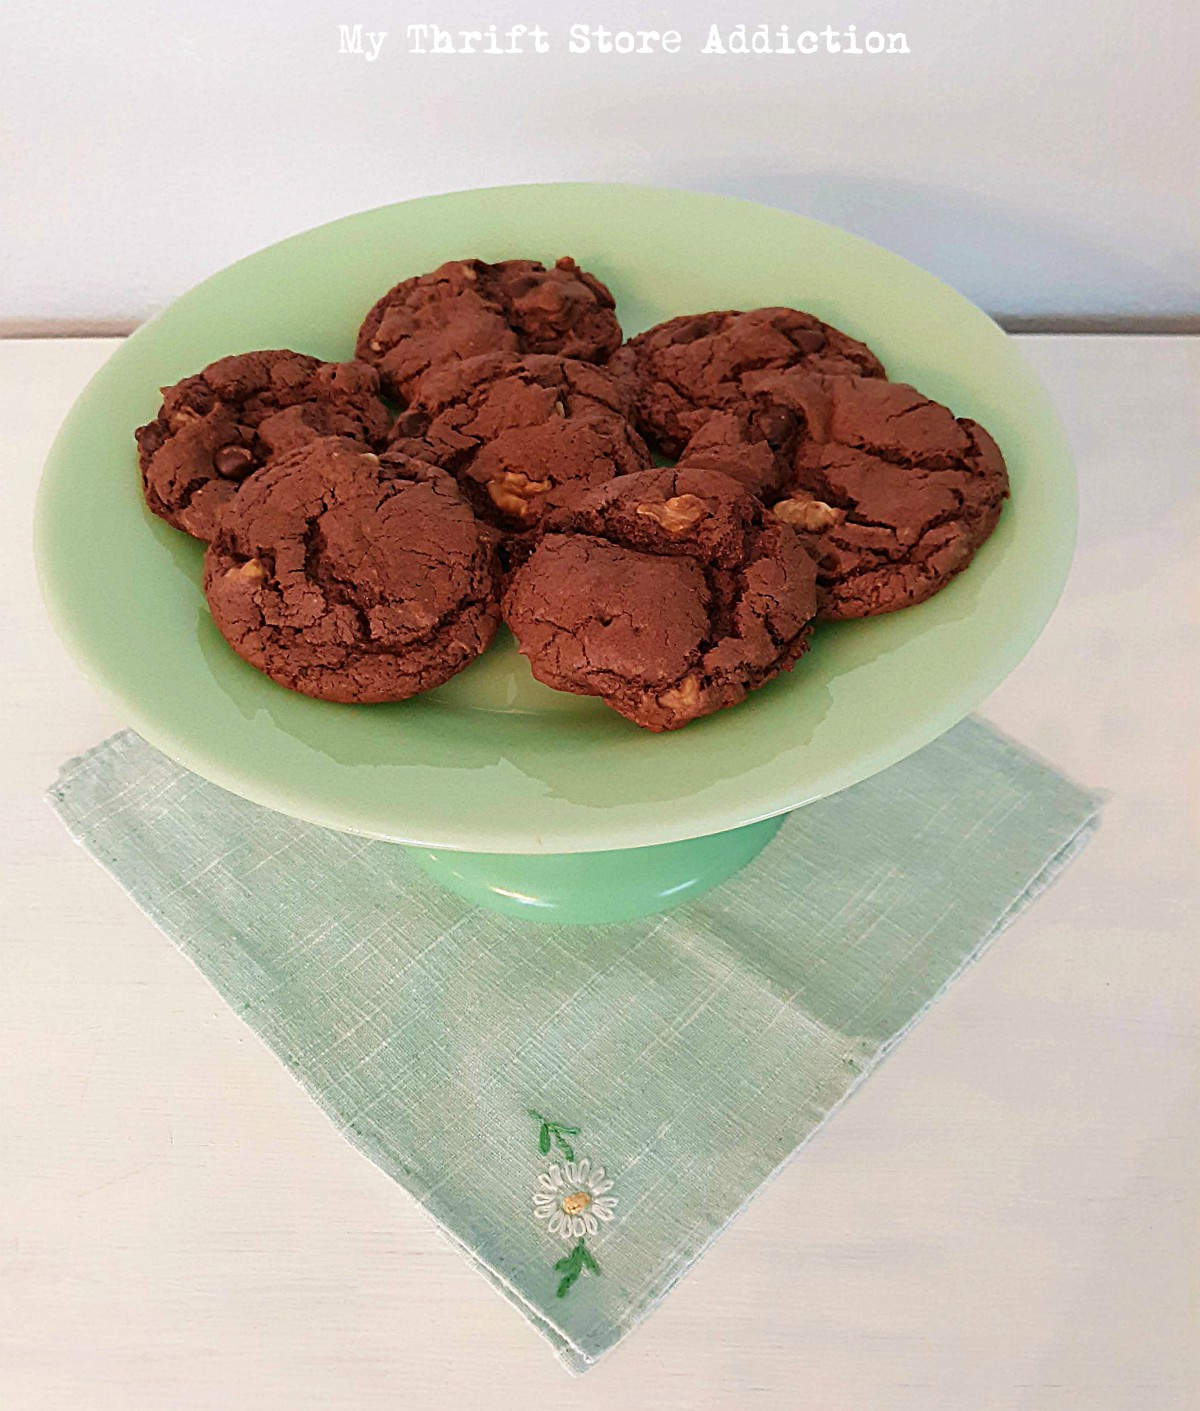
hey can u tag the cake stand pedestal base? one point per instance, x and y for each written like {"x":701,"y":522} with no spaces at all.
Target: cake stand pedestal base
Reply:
{"x":597,"y":888}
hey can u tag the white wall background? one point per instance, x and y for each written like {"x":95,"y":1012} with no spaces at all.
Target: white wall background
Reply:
{"x":1039,"y":154}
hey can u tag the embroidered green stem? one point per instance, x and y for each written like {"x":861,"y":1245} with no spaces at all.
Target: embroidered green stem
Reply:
{"x":554,"y":1132}
{"x":572,"y":1199}
{"x":570,"y":1267}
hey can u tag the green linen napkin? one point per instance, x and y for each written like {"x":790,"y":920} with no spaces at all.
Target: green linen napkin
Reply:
{"x":583,"y":1110}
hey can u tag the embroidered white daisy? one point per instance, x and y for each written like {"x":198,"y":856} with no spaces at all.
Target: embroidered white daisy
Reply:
{"x":574,"y":1199}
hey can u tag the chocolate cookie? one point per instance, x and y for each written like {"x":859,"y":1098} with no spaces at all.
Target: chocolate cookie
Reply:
{"x":466,"y":307}
{"x":516,"y":431}
{"x":755,"y":446}
{"x":688,"y":367}
{"x":217,"y":427}
{"x":897,"y":497}
{"x":668,"y":593}
{"x":353,"y":577}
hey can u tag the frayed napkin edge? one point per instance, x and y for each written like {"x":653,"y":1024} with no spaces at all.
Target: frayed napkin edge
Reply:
{"x":1037,"y":885}
{"x":573,"y":1357}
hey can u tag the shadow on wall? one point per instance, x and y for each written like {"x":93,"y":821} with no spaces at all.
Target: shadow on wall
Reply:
{"x":986,"y":250}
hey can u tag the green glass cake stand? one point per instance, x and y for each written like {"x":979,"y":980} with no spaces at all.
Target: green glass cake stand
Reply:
{"x":534,"y":802}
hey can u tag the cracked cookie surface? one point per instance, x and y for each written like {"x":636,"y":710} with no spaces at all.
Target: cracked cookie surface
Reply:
{"x":688,"y":367}
{"x":893,"y":493}
{"x":517,"y":432}
{"x":353,"y":577}
{"x":670,"y":594}
{"x":755,"y":446}
{"x":467,"y":307}
{"x":216,"y":428}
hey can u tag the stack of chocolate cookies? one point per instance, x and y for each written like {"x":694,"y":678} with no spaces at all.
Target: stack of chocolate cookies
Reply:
{"x":496,"y":452}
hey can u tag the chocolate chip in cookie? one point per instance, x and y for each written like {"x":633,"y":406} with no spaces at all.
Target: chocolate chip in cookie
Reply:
{"x":217,"y":427}
{"x":669,"y":594}
{"x":688,"y":367}
{"x":518,"y":431}
{"x":353,"y":577}
{"x":466,"y":308}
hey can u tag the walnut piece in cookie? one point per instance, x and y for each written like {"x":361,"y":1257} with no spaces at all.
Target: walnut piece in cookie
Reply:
{"x":518,"y":431}
{"x":217,"y":427}
{"x":353,"y":577}
{"x":670,"y":594}
{"x":465,"y":308}
{"x":683,"y":370}
{"x":895,"y":500}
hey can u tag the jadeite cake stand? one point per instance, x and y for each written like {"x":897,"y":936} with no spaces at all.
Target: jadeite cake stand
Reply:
{"x":523,"y":799}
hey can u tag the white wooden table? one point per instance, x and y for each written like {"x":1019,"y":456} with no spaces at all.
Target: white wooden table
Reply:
{"x":1004,"y":1217}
